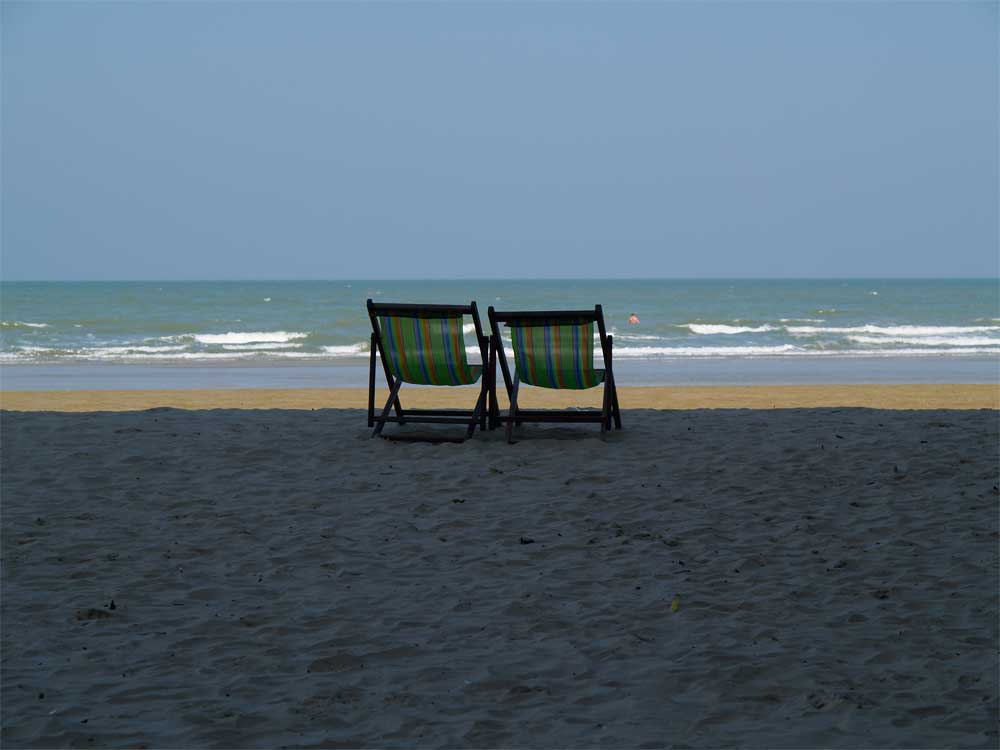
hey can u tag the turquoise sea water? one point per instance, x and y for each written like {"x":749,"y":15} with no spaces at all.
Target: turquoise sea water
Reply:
{"x":309,"y":322}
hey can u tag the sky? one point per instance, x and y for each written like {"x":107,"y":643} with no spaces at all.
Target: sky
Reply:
{"x":228,"y":140}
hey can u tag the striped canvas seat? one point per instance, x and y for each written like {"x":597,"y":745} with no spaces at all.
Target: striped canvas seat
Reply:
{"x":427,"y":350}
{"x":555,"y":356}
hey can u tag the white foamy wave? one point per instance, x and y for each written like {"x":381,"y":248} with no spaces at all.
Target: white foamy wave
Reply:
{"x":926,"y":340}
{"x":802,"y":320}
{"x":260,"y":347}
{"x":710,"y":329}
{"x":892,"y":330}
{"x":228,"y":355}
{"x":21,"y":324}
{"x":116,"y":354}
{"x":473,"y":355}
{"x":469,"y":328}
{"x":111,"y":351}
{"x":788,"y":351}
{"x":37,"y":349}
{"x":195,"y":356}
{"x":302,"y":355}
{"x":350,"y":350}
{"x":103,"y":354}
{"x":250,"y":337}
{"x":651,"y":352}
{"x":634,"y":337}
{"x":979,"y":351}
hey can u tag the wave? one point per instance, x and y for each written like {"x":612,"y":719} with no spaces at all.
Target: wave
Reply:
{"x":901,"y":330}
{"x":926,"y":340}
{"x":711,"y":328}
{"x":781,"y":350}
{"x":21,"y":324}
{"x":789,"y":350}
{"x":892,"y":330}
{"x":632,"y":337}
{"x":56,"y":355}
{"x":84,"y":355}
{"x":356,"y":352}
{"x":39,"y":349}
{"x":650,"y":352}
{"x":351,"y":350}
{"x":117,"y":350}
{"x":250,"y":337}
{"x":260,"y":347}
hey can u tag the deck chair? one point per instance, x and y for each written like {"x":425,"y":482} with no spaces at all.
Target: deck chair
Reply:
{"x":425,"y":345}
{"x":552,"y":350}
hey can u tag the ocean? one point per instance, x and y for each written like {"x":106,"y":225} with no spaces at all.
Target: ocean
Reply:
{"x":313,"y":333}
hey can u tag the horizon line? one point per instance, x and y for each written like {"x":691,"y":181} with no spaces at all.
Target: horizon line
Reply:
{"x":501,"y":278}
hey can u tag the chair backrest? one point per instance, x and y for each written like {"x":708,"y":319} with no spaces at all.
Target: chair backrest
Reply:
{"x":553,"y":349}
{"x":425,"y":344}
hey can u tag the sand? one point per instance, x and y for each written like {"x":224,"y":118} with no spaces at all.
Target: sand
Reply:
{"x":978,"y":396}
{"x":801,"y":577}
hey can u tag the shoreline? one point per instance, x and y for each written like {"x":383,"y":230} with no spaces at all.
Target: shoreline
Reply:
{"x":693,"y":371}
{"x":894,"y":396}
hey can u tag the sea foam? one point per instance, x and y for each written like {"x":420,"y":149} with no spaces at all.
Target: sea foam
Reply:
{"x":892,"y":330}
{"x":350,"y":350}
{"x":261,"y":347}
{"x":650,"y":352}
{"x":250,"y":337}
{"x":926,"y":340}
{"x":711,"y":328}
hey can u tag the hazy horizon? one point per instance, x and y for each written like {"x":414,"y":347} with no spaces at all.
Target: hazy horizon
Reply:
{"x":263,"y":280}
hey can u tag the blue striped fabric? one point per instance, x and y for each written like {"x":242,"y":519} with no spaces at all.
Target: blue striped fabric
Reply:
{"x":427,"y":351}
{"x":556,"y":356}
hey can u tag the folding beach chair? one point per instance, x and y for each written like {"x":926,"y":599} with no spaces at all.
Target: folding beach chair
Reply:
{"x":425,"y":345}
{"x":552,"y":349}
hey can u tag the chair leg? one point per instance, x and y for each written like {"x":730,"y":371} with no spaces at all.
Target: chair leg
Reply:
{"x":501,"y":358}
{"x":478,"y":415}
{"x":393,"y":400}
{"x":606,"y":408}
{"x":399,"y":408}
{"x":512,"y":416}
{"x":371,"y":383}
{"x":389,"y":381}
{"x":483,"y":398}
{"x":614,"y":405}
{"x":610,"y":381}
{"x":492,"y":407}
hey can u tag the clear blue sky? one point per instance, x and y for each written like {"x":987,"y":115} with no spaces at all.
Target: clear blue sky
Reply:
{"x":334,"y":140}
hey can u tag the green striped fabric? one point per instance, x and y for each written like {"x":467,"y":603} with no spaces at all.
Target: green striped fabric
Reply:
{"x":556,"y":356}
{"x":427,"y":351}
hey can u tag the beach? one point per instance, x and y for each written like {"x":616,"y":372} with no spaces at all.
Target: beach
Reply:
{"x":803,"y":566}
{"x":872,"y":396}
{"x":764,"y":235}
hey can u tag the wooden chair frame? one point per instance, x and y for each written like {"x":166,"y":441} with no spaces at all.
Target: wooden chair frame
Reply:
{"x":609,"y":412}
{"x":468,"y":417}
